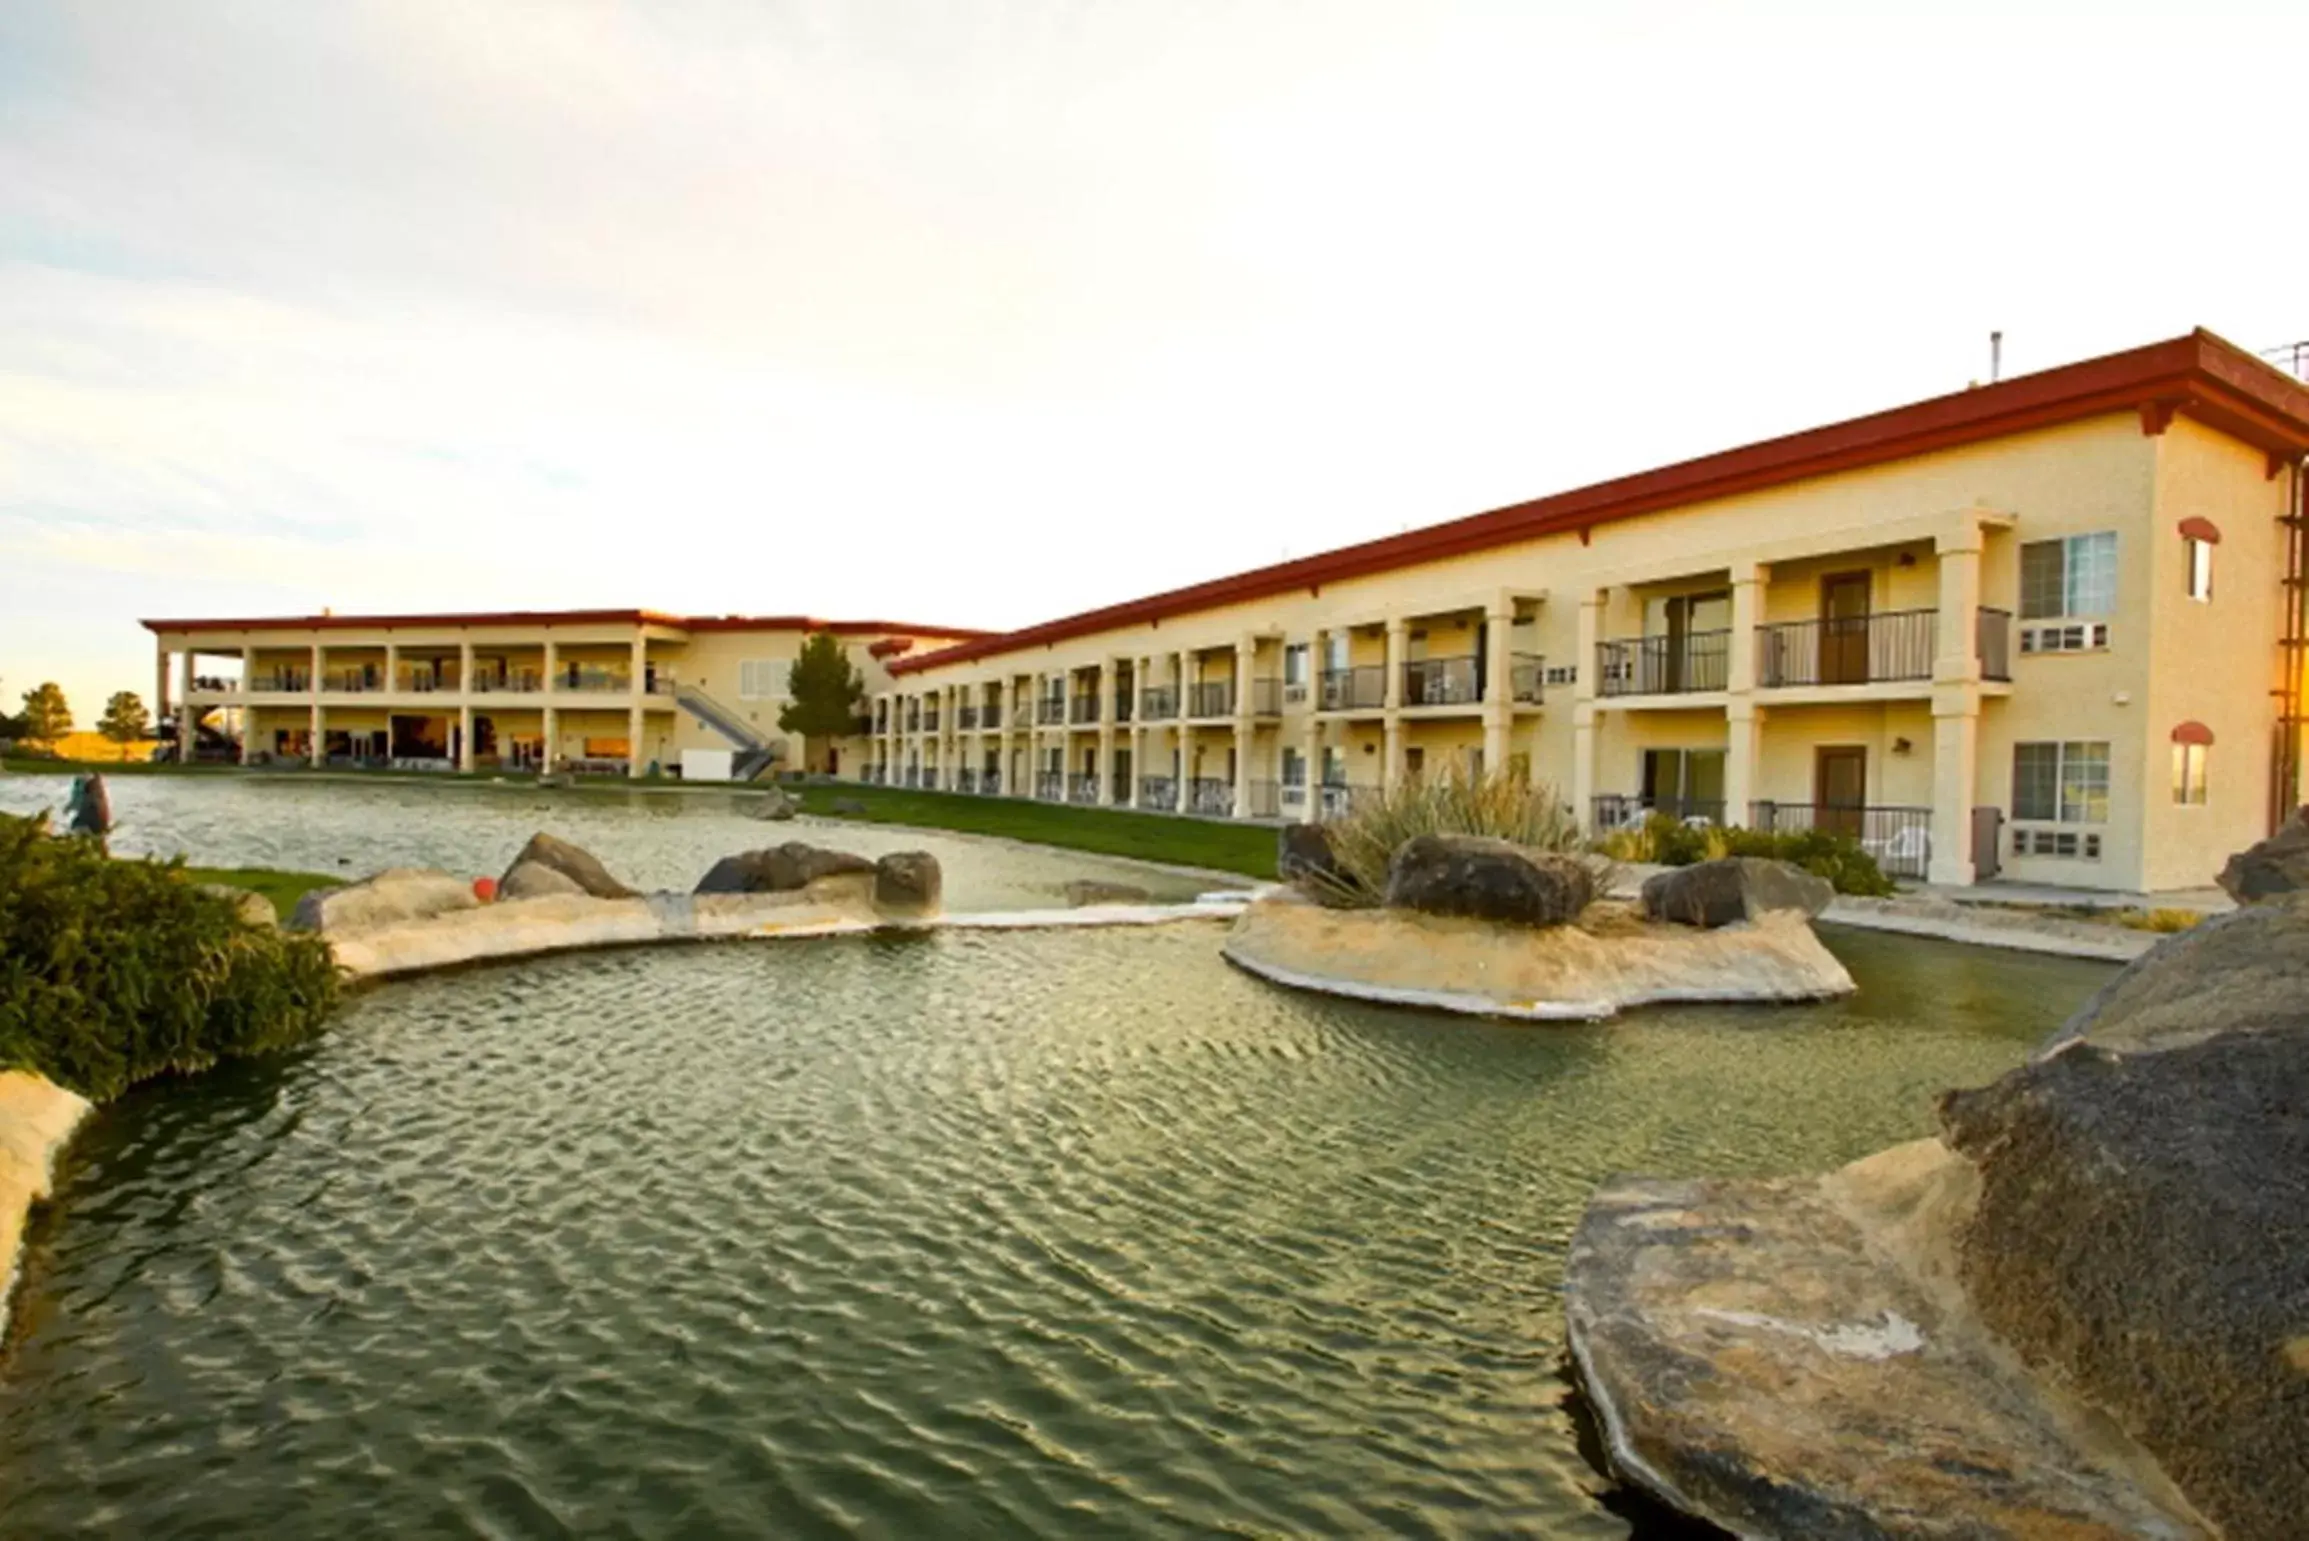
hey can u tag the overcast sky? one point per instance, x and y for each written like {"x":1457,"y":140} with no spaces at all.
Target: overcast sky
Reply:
{"x":978,"y":313}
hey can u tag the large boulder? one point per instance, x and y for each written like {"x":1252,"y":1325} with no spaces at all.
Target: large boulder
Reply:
{"x":2142,"y":1237}
{"x":1304,"y":851}
{"x":908,"y":883}
{"x":780,"y":869}
{"x":2277,"y":865}
{"x":392,"y":897}
{"x":574,"y":862}
{"x":1487,"y":880}
{"x":2246,"y":971}
{"x":1736,"y":888}
{"x":535,"y":880}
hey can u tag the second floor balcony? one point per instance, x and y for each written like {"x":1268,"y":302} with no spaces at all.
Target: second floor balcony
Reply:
{"x":1211,"y":797}
{"x":1082,"y":789}
{"x":1050,"y":711}
{"x":1083,"y":709}
{"x":1158,"y":792}
{"x":1158,"y":703}
{"x":1361,"y":688}
{"x":1674,"y":664}
{"x":966,"y":718}
{"x":1443,"y":682}
{"x":1212,"y":698}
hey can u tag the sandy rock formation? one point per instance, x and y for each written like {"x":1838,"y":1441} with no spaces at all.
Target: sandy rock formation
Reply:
{"x":393,"y":897}
{"x":573,"y":862}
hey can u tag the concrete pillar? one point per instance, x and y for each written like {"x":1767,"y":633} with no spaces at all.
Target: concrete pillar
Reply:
{"x":1246,"y":731}
{"x":465,"y":706}
{"x":248,"y":712}
{"x":1391,"y":751}
{"x":1747,"y":615}
{"x":1105,"y":692}
{"x":1583,"y":768}
{"x":1955,"y":706}
{"x":186,"y":716}
{"x":314,"y":712}
{"x":1498,"y":687}
{"x":1743,"y":730}
{"x":633,"y":717}
{"x":1585,"y":690}
{"x":392,"y":667}
{"x":1181,"y":797}
{"x":160,"y":680}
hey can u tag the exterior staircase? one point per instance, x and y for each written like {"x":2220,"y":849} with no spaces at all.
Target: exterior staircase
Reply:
{"x":755,"y":754}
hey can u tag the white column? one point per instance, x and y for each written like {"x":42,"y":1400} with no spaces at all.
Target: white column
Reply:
{"x":1747,"y":615}
{"x":1246,"y":730}
{"x":1391,"y":771}
{"x":160,"y":679}
{"x":1583,"y":710}
{"x":248,"y":711}
{"x":465,"y":706}
{"x":633,"y":719}
{"x":1955,"y":706}
{"x":1743,"y":721}
{"x":1743,"y":729}
{"x":1312,"y":728}
{"x":1498,"y":686}
{"x":318,"y":717}
{"x":392,"y":673}
{"x":186,"y":716}
{"x":1106,"y":682}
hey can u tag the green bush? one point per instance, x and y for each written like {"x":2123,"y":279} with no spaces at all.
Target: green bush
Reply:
{"x":1502,"y":806}
{"x":115,"y":971}
{"x":1670,"y":842}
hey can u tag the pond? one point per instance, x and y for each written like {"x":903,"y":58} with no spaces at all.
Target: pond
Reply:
{"x":661,"y":839}
{"x":1052,"y":1233}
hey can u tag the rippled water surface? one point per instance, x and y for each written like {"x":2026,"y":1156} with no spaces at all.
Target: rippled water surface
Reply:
{"x":663,"y":839}
{"x":1059,"y":1233}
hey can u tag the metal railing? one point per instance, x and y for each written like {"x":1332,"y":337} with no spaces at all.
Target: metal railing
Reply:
{"x":966,"y":780}
{"x":1899,"y":838}
{"x":286,"y":682}
{"x":1082,"y":789}
{"x":424,"y":684}
{"x":1265,"y":801}
{"x":1992,"y":640}
{"x":990,"y":783}
{"x":929,"y":778}
{"x":1266,"y":698}
{"x":1847,"y":649}
{"x":1083,"y":709}
{"x":1210,"y":797}
{"x":877,"y":776}
{"x":594,"y":682}
{"x":1050,"y":710}
{"x":1213,"y":698}
{"x":1158,"y":703}
{"x":1122,"y":703}
{"x":913,"y":719}
{"x":930,"y":719}
{"x":1158,"y":792}
{"x":1050,"y":786}
{"x":526,"y":683}
{"x":913,"y":775}
{"x":349,"y":684}
{"x":1669,"y":665}
{"x":1362,"y":688}
{"x":1442,"y":682}
{"x":966,"y":718}
{"x":1622,"y":810}
{"x":1335,"y":799}
{"x":1526,"y":678}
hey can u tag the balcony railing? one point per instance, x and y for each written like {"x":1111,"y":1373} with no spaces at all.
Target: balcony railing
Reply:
{"x":1266,"y":698}
{"x":990,"y":783}
{"x":877,"y":776}
{"x":1050,"y":786}
{"x":1670,"y":665}
{"x":526,"y":682}
{"x":1051,"y":710}
{"x":1899,"y":838}
{"x":966,"y":718}
{"x":351,"y":684}
{"x":425,"y":684}
{"x":913,"y":775}
{"x":1992,"y":640}
{"x":1158,"y":703}
{"x":1335,"y":799}
{"x":1362,"y":688}
{"x":1214,"y":698}
{"x":1122,"y":704}
{"x":286,"y":682}
{"x":1847,"y":649}
{"x":990,"y":715}
{"x":1526,"y":678}
{"x":1213,"y":798}
{"x":1158,"y":792}
{"x":1621,"y":810}
{"x":594,"y":682}
{"x":1082,"y":789}
{"x":1083,"y":709}
{"x":930,"y":719}
{"x":914,"y":720}
{"x":966,"y":780}
{"x":1442,"y":682}
{"x":929,"y":778}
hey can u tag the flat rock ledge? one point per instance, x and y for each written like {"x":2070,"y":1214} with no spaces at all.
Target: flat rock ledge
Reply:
{"x":37,"y":1120}
{"x":1561,"y":974}
{"x":1794,"y":1358}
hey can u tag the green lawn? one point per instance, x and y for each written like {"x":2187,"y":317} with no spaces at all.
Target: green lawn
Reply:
{"x":283,"y":888}
{"x":1245,"y":848}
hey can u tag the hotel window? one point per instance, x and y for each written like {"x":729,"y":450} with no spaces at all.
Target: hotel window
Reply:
{"x":2200,"y":554}
{"x":1688,"y":783}
{"x":2063,"y":783}
{"x":759,"y":679}
{"x":2075,"y":576}
{"x":1294,"y":768}
{"x":2192,"y":746}
{"x":1334,"y":766}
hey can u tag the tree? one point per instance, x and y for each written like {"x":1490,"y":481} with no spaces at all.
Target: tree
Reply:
{"x":47,"y":716}
{"x":825,"y":689}
{"x":125,"y":721}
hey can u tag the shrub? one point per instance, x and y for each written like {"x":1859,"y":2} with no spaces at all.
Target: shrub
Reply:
{"x":1670,"y":842}
{"x":1501,"y":806}
{"x":115,"y":971}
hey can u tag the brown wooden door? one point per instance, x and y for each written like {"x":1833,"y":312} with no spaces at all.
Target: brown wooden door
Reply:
{"x":1839,"y":788}
{"x":1844,"y":629}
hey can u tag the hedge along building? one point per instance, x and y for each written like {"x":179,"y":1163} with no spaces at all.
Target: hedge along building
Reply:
{"x":2049,"y":627}
{"x":612,"y":691}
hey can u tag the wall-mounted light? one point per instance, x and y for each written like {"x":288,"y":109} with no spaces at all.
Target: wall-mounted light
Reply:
{"x":1908,"y":559}
{"x":1901,"y":746}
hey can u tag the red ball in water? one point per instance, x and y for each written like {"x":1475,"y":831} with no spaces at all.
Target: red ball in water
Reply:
{"x":485,"y":890}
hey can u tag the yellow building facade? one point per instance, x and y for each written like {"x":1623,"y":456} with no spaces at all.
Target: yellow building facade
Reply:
{"x":613,"y":692}
{"x":2048,"y":628}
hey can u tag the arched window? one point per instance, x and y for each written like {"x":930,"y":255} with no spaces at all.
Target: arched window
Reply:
{"x":2198,"y":538}
{"x":2192,"y":743}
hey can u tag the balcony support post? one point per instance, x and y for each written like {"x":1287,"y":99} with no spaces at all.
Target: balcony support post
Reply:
{"x":465,"y":705}
{"x":634,"y":686}
{"x":1391,"y":751}
{"x":1583,"y":708}
{"x":1743,"y":731}
{"x":1498,"y":683}
{"x":1103,"y":694}
{"x":1956,"y":653}
{"x":248,"y":711}
{"x":315,"y":719}
{"x":186,"y":717}
{"x":1955,"y":704}
{"x":1246,"y":659}
{"x":1747,"y":615}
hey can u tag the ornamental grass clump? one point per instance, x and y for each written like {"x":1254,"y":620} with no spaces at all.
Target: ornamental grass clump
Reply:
{"x":1364,"y":840}
{"x":115,"y":971}
{"x":1667,"y":841}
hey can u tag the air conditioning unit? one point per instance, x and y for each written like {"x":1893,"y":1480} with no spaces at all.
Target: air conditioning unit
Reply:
{"x":2065,"y":637}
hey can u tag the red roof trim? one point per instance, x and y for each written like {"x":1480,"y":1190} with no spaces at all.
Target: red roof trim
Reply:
{"x":468,"y":619}
{"x":2196,"y":527}
{"x":2192,"y":732}
{"x":2201,"y":375}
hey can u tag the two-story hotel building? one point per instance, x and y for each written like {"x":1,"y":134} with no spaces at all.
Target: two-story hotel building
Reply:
{"x":2050,"y":627}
